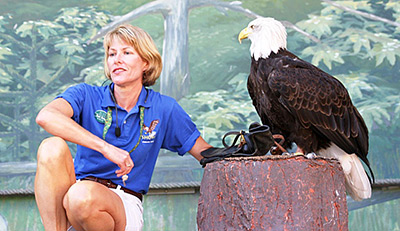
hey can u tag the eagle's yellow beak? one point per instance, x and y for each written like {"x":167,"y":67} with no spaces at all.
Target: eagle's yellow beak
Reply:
{"x":243,"y":34}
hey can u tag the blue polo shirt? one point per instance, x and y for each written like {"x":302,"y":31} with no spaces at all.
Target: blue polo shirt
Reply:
{"x":166,"y":125}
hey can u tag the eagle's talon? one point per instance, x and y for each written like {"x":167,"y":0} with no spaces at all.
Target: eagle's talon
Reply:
{"x":311,"y":155}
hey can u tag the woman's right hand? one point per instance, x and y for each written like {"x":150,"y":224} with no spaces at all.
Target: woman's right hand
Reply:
{"x":119,"y":157}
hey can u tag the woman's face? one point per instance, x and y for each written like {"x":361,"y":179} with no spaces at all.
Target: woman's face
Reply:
{"x":124,"y":63}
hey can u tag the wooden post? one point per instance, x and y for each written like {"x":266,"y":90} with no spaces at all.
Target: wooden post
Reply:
{"x":273,"y":193}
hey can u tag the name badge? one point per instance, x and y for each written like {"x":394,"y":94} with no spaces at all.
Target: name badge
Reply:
{"x":100,"y":116}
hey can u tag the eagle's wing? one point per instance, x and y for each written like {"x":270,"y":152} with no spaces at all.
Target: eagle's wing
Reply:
{"x":260,"y":103}
{"x":321,"y":102}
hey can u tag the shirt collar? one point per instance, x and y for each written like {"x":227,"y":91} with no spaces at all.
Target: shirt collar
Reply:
{"x":107,"y":100}
{"x":144,"y":98}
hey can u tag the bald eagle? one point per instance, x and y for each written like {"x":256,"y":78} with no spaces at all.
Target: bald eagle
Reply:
{"x":306,"y":105}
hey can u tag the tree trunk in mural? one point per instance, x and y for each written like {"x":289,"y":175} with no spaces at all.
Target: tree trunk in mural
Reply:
{"x":175,"y":80}
{"x":273,"y":193}
{"x":175,"y":77}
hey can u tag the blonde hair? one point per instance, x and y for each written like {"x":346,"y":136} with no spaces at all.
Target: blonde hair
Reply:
{"x":143,"y":44}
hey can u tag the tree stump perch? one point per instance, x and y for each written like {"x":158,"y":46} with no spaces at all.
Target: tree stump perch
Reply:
{"x":273,"y":193}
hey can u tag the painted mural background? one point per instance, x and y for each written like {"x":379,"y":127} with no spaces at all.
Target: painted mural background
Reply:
{"x":44,"y":49}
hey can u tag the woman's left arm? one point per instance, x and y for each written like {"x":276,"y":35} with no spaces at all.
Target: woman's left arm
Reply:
{"x":198,"y":147}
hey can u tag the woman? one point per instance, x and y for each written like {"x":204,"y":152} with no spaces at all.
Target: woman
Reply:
{"x":119,"y":130}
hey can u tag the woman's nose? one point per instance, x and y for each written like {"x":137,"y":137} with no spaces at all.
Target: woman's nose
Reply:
{"x":118,"y":58}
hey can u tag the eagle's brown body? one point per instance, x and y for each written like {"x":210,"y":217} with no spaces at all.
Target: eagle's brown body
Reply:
{"x":306,"y":105}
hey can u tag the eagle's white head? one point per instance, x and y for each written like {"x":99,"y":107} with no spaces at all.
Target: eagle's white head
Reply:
{"x":266,"y":35}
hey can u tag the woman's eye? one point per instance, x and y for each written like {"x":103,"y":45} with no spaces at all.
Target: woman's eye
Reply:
{"x":111,"y":54}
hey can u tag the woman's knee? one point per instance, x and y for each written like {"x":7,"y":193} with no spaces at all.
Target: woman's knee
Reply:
{"x":79,"y":200}
{"x":88,"y":201}
{"x":52,"y":150}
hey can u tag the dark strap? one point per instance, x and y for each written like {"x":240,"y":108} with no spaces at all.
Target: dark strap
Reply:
{"x":110,"y":184}
{"x":237,"y":135}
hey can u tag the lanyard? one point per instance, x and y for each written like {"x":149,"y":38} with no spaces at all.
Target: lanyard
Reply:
{"x":108,"y":121}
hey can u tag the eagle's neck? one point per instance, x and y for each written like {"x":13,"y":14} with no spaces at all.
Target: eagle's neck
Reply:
{"x":269,"y":39}
{"x":272,"y":54}
{"x":264,"y":50}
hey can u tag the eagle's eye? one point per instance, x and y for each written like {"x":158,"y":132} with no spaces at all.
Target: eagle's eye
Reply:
{"x":252,"y":27}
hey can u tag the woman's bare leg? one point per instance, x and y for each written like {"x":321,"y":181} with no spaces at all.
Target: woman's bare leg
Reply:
{"x":92,"y":206}
{"x":54,"y":176}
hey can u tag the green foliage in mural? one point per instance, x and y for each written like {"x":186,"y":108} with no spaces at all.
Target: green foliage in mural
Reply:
{"x":222,"y":110}
{"x":39,"y":59}
{"x":43,"y":52}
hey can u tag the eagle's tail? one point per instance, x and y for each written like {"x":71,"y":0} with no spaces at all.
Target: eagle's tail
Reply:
{"x":357,"y":183}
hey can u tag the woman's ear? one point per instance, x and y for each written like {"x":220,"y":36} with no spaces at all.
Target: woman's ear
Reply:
{"x":146,"y":67}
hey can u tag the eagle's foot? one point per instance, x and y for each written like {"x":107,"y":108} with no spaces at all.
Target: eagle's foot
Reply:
{"x":311,"y":155}
{"x":299,"y":152}
{"x":278,"y":149}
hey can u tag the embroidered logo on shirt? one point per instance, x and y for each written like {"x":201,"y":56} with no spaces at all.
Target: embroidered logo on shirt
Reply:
{"x":100,"y":116}
{"x":149,"y":133}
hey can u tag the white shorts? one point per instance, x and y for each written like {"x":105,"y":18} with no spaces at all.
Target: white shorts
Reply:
{"x":133,"y":211}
